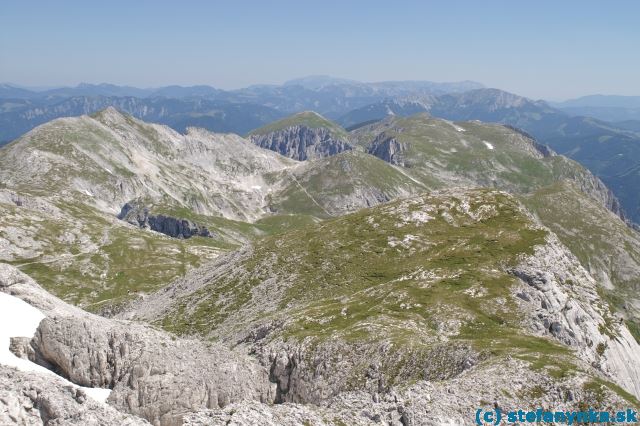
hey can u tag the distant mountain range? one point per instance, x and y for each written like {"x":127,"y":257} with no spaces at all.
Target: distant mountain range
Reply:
{"x":612,"y":101}
{"x":610,"y":150}
{"x":19,"y":116}
{"x":104,"y":89}
{"x":237,"y":111}
{"x":604,"y":107}
{"x":314,"y":84}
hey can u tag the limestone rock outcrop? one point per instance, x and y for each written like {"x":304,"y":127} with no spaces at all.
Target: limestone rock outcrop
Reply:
{"x":302,"y":142}
{"x":34,"y":400}
{"x":141,"y":216}
{"x":152,"y":374}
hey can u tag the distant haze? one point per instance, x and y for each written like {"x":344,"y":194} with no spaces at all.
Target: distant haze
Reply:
{"x":545,"y":49}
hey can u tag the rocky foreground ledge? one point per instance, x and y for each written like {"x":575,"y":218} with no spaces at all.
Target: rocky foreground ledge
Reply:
{"x":152,"y":374}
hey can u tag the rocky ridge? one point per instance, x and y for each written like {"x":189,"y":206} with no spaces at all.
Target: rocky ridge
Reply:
{"x":325,"y":341}
{"x":140,"y":363}
{"x":226,"y":184}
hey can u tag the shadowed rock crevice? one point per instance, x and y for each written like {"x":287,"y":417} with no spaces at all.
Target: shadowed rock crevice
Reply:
{"x":387,"y":149}
{"x":139,"y":215}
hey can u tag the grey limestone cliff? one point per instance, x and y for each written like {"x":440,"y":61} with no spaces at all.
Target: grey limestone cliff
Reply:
{"x":387,"y":149}
{"x":139,"y":215}
{"x":302,"y":142}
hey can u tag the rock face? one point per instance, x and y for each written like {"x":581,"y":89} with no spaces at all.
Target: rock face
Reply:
{"x":387,"y":149}
{"x":138,"y":215}
{"x":562,"y":301}
{"x":595,"y":188}
{"x":34,"y":399}
{"x":302,"y":142}
{"x":307,"y":374}
{"x":153,"y":375}
{"x":509,"y":385}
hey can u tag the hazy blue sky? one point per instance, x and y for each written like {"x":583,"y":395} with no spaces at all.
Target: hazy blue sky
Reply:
{"x":541,"y":49}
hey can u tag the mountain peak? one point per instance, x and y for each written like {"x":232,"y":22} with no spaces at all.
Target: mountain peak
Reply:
{"x":303,"y":136}
{"x":310,"y":119}
{"x":310,"y":114}
{"x":110,"y":115}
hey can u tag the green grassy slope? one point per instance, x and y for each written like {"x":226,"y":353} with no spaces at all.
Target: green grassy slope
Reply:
{"x":340,"y":184}
{"x":93,"y":260}
{"x":469,"y":153}
{"x":423,"y":278}
{"x":392,"y":266}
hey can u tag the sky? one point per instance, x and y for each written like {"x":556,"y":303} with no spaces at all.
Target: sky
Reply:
{"x":540,"y":49}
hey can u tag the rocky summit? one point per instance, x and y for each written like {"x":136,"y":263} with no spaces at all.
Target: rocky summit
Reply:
{"x":409,"y":271}
{"x":304,"y":136}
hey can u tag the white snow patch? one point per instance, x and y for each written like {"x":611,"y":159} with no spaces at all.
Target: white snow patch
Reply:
{"x":88,"y":193}
{"x":19,"y":319}
{"x":98,"y":394}
{"x":488,"y":145}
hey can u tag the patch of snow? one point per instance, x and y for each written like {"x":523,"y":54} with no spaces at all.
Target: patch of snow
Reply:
{"x":98,"y":394}
{"x":488,"y":145}
{"x":19,"y":319}
{"x":88,"y":193}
